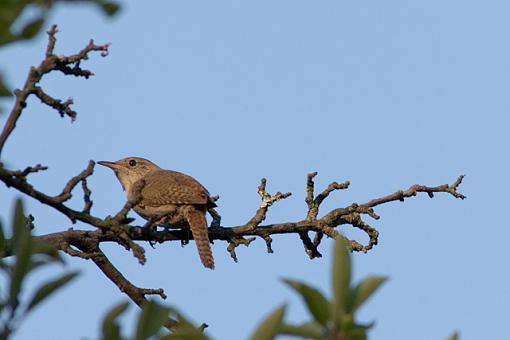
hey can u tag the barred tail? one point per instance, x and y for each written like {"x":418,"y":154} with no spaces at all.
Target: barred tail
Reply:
{"x":196,"y":220}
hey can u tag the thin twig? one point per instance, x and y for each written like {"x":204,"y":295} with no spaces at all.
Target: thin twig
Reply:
{"x":30,"y":170}
{"x":71,"y":184}
{"x":266,"y":201}
{"x":86,"y":197}
{"x":413,"y":190}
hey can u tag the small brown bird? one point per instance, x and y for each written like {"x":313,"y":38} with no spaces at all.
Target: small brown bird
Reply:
{"x":176,"y":200}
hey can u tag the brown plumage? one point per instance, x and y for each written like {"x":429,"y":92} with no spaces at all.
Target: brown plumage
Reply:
{"x":196,"y":220}
{"x":176,"y":199}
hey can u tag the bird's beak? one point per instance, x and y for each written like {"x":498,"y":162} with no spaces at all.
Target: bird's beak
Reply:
{"x":111,"y":165}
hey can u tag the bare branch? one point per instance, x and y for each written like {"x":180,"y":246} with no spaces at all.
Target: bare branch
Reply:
{"x":216,"y":218}
{"x":237,"y":241}
{"x":136,"y":294}
{"x":86,"y":197}
{"x":266,"y":201}
{"x":29,"y":170}
{"x":50,"y":63}
{"x":314,"y":203}
{"x":87,"y":243}
{"x":317,"y":239}
{"x":137,"y":197}
{"x":51,"y":40}
{"x":84,"y":53}
{"x":310,"y":247}
{"x":413,"y":190}
{"x":269,"y":241}
{"x":63,"y":108}
{"x":71,"y":184}
{"x":66,"y":248}
{"x":12,"y":179}
{"x":331,"y":187}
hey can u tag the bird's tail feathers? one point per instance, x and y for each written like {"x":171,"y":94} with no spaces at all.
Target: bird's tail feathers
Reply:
{"x":198,"y":224}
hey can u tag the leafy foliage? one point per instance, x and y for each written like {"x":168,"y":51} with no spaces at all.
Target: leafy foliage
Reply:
{"x":28,"y":255}
{"x":270,"y":327}
{"x":331,"y":319}
{"x":151,"y":320}
{"x":454,"y":336}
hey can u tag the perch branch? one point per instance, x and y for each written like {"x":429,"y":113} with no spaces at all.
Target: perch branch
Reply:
{"x":125,"y":234}
{"x":234,"y":235}
{"x":87,"y":241}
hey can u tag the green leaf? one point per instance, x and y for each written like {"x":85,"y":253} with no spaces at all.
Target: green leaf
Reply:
{"x":23,"y":251}
{"x":10,"y":10}
{"x":353,"y":331}
{"x":314,"y":300}
{"x":18,"y":273}
{"x":363,"y":291}
{"x":152,"y":318}
{"x":2,"y":240}
{"x":183,"y":321}
{"x":109,"y":8}
{"x":185,"y":328}
{"x":111,"y":329}
{"x":9,"y":13}
{"x":310,"y":330}
{"x":19,"y":229}
{"x":358,"y":333}
{"x":341,"y":279}
{"x":49,"y":288}
{"x":270,"y":327}
{"x":35,"y":263}
{"x":454,"y":336}
{"x":51,"y":254}
{"x":32,"y":28}
{"x":186,"y":332}
{"x":4,"y":90}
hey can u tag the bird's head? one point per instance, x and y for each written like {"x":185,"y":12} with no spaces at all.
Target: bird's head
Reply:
{"x":131,"y":169}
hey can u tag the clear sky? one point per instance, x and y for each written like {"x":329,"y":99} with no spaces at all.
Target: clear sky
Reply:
{"x":385,"y":94}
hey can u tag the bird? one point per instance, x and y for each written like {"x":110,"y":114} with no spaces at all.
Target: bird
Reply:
{"x":170,"y":198}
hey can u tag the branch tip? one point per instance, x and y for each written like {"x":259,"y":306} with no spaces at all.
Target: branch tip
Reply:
{"x":159,"y":291}
{"x":237,"y":241}
{"x":266,"y":201}
{"x":314,"y":203}
{"x":309,"y":246}
{"x":29,"y":170}
{"x":268,"y":241}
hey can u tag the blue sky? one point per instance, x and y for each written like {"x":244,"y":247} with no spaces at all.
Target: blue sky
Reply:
{"x":385,"y":94}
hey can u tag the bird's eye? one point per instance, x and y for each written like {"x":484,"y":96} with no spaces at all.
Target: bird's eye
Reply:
{"x":132,"y":162}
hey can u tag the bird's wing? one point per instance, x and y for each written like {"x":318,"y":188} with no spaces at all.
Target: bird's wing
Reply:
{"x":172,"y":187}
